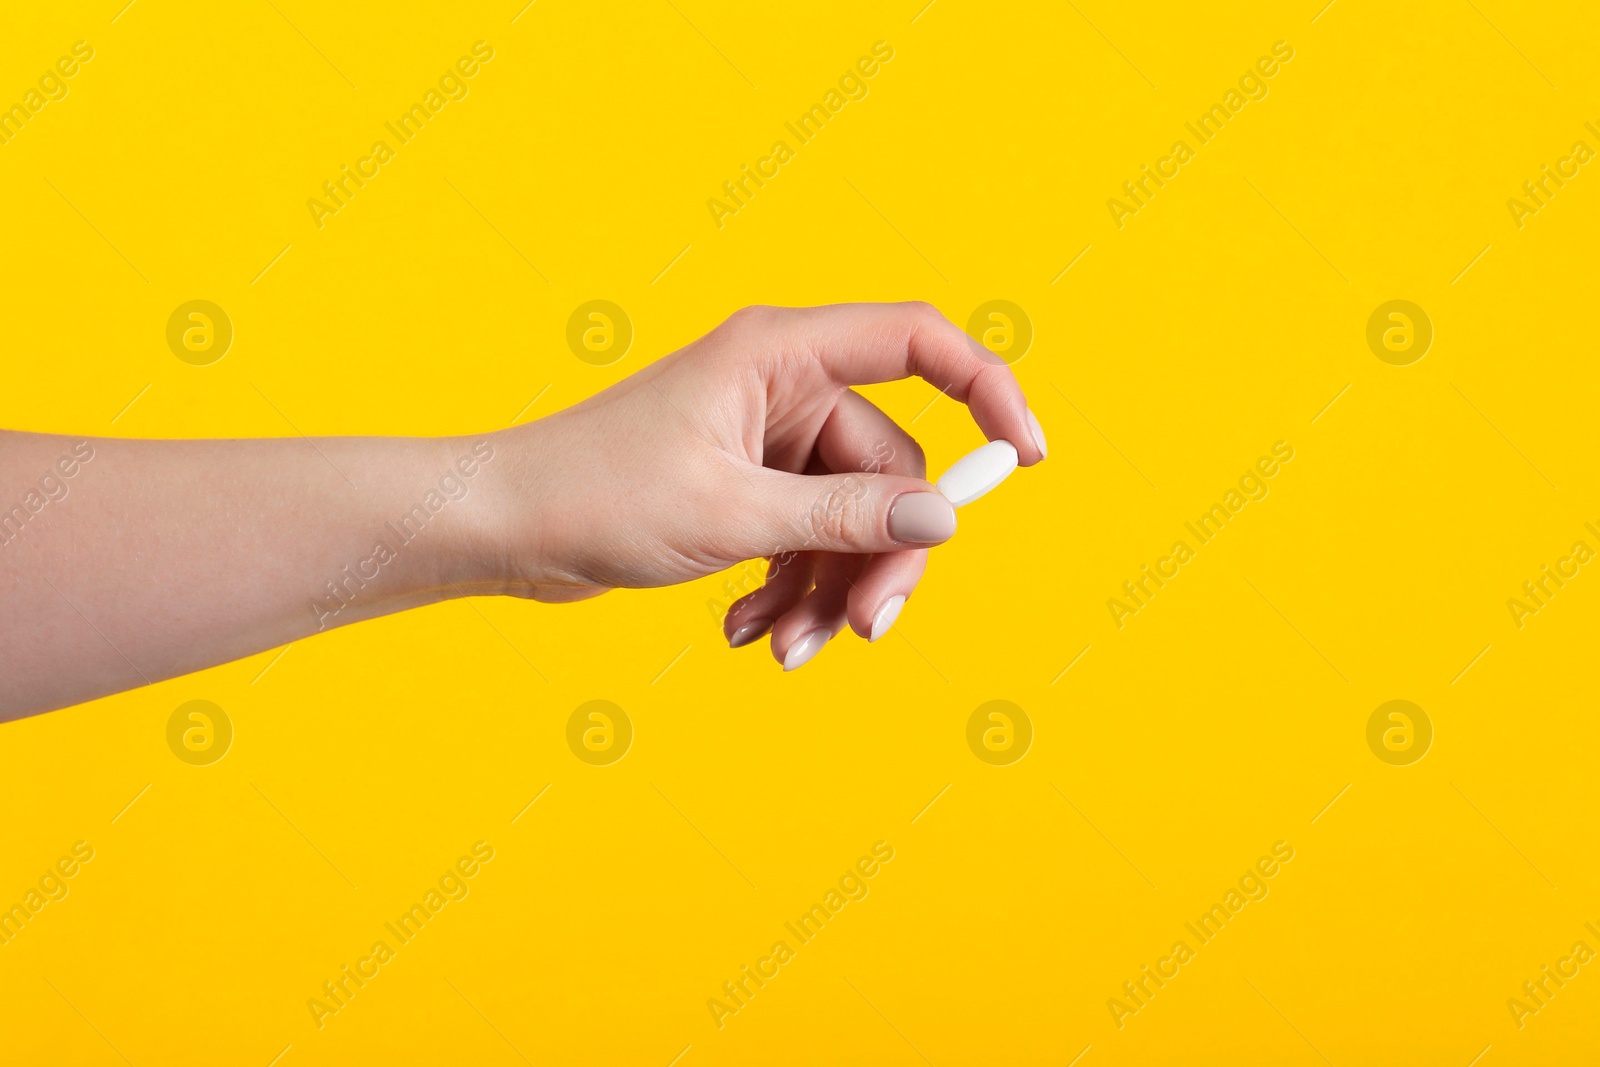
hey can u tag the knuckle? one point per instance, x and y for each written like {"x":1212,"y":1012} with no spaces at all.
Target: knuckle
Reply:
{"x":992,"y":383}
{"x":927,"y":316}
{"x":916,"y":459}
{"x":930,"y":323}
{"x":752,"y":315}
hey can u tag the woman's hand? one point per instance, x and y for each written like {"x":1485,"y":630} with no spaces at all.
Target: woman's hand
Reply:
{"x":124,"y":562}
{"x":750,"y":443}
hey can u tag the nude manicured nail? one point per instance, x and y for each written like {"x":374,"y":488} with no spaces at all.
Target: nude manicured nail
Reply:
{"x":886,"y":616}
{"x":1038,"y":434}
{"x":747,"y":633}
{"x":923,"y":518}
{"x":801,"y":651}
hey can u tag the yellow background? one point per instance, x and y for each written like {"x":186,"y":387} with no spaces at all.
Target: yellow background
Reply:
{"x":1223,"y":317}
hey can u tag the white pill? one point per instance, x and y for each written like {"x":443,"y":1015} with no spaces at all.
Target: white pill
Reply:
{"x":977,"y":472}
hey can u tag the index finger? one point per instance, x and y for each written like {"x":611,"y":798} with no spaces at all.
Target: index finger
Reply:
{"x":860,"y":344}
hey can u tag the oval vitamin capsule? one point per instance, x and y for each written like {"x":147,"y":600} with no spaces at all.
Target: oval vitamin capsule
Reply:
{"x":977,"y":472}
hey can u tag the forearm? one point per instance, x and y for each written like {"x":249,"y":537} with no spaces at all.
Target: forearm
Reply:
{"x":152,"y":559}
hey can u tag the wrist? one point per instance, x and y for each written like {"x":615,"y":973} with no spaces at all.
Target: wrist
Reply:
{"x":445,"y":510}
{"x":498,"y":549}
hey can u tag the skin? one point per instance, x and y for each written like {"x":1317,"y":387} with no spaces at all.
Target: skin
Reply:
{"x":157,"y":558}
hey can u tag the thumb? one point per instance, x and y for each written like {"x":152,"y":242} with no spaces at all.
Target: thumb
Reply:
{"x":863,"y":512}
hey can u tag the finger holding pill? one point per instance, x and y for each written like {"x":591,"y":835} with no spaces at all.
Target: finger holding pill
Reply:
{"x":871,"y":343}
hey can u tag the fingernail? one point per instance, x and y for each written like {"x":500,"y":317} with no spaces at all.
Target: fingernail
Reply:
{"x":1038,"y":435}
{"x":886,"y":616}
{"x":801,"y":651}
{"x":924,"y":518}
{"x":747,"y":633}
